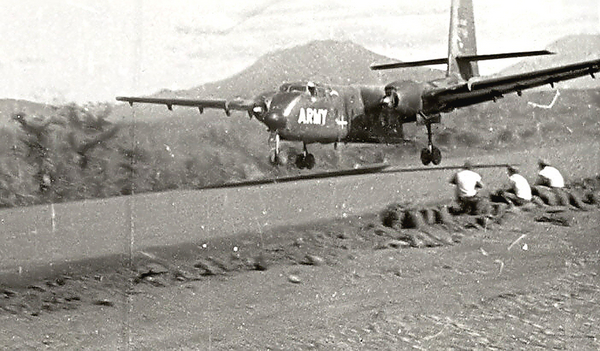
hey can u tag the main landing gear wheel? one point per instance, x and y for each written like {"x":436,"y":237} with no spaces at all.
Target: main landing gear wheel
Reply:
{"x":305,"y":160}
{"x":436,"y":156}
{"x":431,"y":156}
{"x":425,"y":156}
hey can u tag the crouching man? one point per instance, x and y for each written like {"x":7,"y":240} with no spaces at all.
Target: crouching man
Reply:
{"x":518,"y":192}
{"x":467,"y":184}
{"x":550,"y":186}
{"x":549,"y":176}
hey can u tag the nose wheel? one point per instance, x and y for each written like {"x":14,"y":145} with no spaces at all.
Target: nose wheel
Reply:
{"x":430,"y":154}
{"x":305,"y":159}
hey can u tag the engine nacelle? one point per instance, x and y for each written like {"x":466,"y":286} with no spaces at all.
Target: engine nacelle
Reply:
{"x":262,"y":103}
{"x":403,"y":100}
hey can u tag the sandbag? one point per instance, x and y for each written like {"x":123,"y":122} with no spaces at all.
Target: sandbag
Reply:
{"x":392,"y":215}
{"x":562,"y":198}
{"x":498,"y":209}
{"x":442,"y":215}
{"x":546,"y":194}
{"x":482,"y":207}
{"x":536,"y":200}
{"x":592,"y":198}
{"x":428,"y":216}
{"x":413,"y":220}
{"x":575,"y":200}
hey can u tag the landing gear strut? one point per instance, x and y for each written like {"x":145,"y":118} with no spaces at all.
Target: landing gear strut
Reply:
{"x":305,"y":160}
{"x":430,"y":154}
{"x":275,"y":156}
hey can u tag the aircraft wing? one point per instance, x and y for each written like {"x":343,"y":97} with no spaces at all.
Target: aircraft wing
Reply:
{"x":445,"y":99}
{"x":201,"y":104}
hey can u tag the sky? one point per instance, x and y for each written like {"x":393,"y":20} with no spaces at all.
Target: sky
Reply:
{"x":60,"y":51}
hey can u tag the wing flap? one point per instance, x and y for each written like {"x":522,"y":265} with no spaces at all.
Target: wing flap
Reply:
{"x":488,"y":89}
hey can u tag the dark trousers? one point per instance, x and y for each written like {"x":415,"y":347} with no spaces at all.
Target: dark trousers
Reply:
{"x":468,"y":204}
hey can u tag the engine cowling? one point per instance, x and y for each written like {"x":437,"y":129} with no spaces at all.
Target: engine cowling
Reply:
{"x":261,"y":107}
{"x":403,"y":100}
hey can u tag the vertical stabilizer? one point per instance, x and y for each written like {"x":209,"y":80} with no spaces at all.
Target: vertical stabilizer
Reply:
{"x":461,"y":41}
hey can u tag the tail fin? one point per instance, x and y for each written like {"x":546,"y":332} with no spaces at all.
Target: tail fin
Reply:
{"x":461,"y":40}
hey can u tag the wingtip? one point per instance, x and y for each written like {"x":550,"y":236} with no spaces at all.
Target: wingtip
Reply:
{"x":373,"y":66}
{"x":125,"y":99}
{"x":382,"y":66}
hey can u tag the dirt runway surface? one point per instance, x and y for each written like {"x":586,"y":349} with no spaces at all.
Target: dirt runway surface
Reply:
{"x":38,"y":236}
{"x":346,"y":284}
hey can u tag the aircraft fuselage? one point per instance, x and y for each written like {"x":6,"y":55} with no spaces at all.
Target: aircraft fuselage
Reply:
{"x":342,"y":113}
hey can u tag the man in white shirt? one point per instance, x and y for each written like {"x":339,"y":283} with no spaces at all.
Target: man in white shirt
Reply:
{"x":519,"y":191}
{"x":549,"y":176}
{"x":467,"y":184}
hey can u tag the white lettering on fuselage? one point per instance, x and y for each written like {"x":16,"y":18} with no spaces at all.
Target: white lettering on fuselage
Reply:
{"x":341,"y":122}
{"x":312,"y":116}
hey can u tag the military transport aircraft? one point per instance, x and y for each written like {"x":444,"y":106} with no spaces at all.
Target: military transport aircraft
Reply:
{"x":317,"y":113}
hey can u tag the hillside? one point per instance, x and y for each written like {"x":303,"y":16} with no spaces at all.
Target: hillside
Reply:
{"x":570,"y":49}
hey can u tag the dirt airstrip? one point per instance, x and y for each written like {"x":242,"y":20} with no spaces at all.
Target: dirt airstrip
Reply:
{"x":518,"y":279}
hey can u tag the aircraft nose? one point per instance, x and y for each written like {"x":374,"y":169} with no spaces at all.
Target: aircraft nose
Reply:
{"x":275,"y":120}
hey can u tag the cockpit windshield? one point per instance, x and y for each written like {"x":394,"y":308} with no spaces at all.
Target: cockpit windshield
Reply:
{"x":302,"y":88}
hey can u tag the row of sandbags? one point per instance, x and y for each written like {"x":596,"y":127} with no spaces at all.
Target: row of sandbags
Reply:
{"x":401,"y":217}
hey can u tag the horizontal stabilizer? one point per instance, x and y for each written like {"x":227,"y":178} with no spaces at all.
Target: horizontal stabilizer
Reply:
{"x":504,"y":55}
{"x":440,"y":61}
{"x":465,"y":58}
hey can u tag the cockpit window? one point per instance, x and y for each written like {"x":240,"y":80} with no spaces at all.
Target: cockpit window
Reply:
{"x":302,"y":88}
{"x":284,"y":88}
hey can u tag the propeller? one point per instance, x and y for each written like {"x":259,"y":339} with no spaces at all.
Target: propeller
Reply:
{"x":258,"y":110}
{"x":260,"y":107}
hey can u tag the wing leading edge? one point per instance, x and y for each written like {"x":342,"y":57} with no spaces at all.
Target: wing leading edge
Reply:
{"x":201,"y":104}
{"x":478,"y":90}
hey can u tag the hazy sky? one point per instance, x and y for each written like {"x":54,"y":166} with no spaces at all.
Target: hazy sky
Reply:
{"x":92,"y":50}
